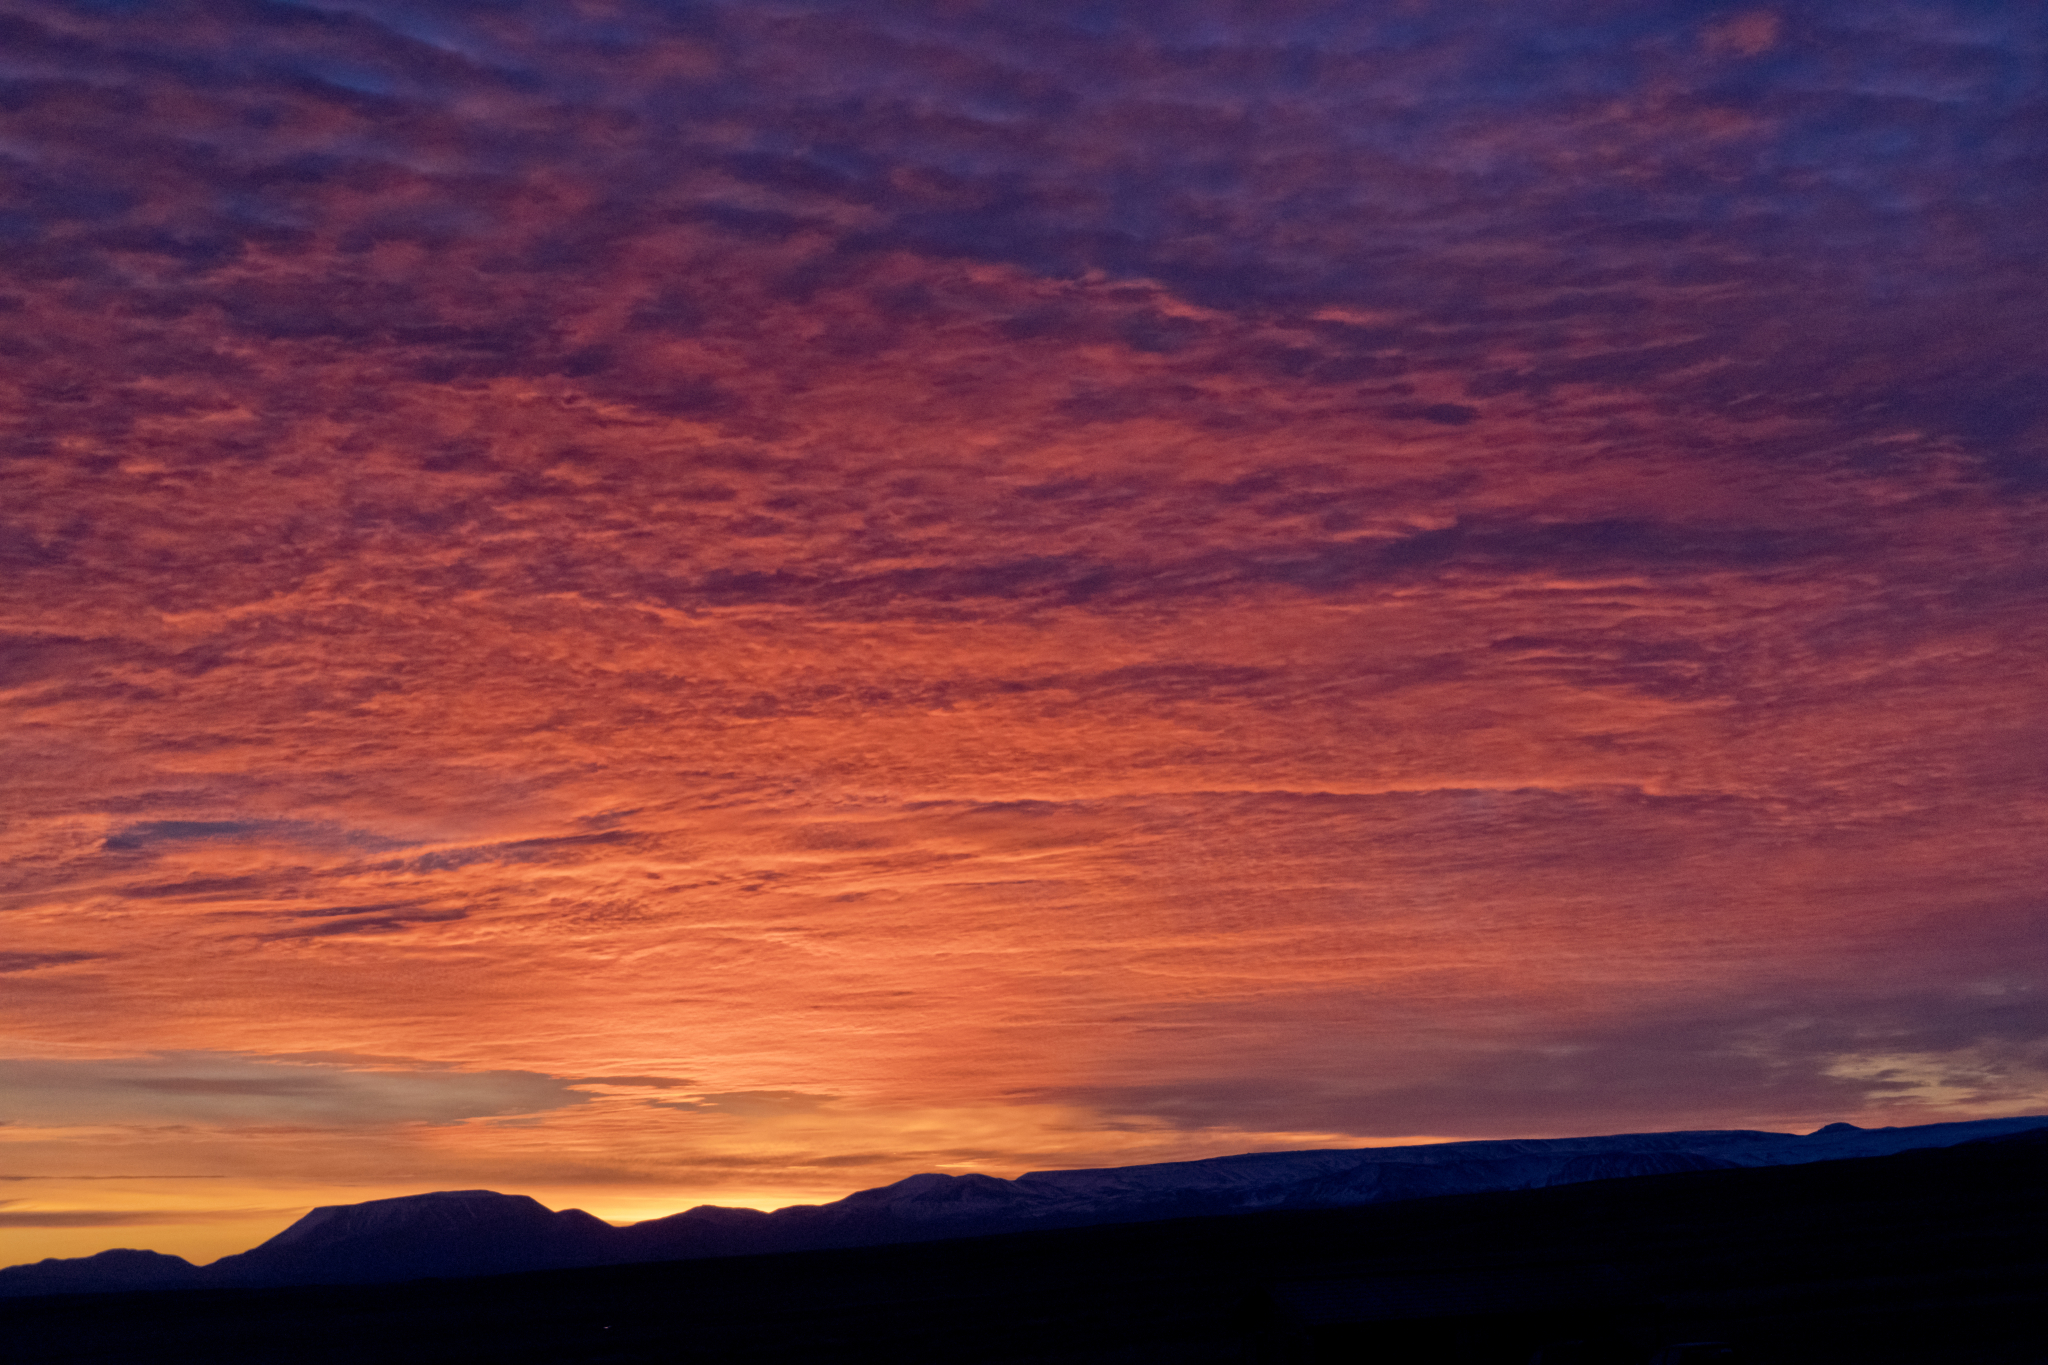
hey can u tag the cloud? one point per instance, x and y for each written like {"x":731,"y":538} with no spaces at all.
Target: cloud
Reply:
{"x":149,"y":835}
{"x":1913,"y":1057}
{"x":238,"y":1090}
{"x":154,"y":831}
{"x":341,"y":922}
{"x":29,"y":962}
{"x":1272,"y":573}
{"x":122,"y":1218}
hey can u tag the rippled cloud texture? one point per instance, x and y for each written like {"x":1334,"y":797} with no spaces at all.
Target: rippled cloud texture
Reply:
{"x":652,"y":602}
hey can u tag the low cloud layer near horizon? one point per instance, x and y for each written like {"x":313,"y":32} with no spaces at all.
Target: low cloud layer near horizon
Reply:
{"x":727,"y":602}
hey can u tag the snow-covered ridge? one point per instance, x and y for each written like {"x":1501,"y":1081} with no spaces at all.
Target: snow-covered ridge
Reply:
{"x":479,"y":1232}
{"x":1340,"y":1177}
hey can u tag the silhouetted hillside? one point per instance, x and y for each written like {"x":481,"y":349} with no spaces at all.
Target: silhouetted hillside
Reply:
{"x":480,"y":1232}
{"x":1931,"y":1255}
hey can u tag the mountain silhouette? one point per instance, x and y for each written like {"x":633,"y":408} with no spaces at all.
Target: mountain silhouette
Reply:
{"x":1923,"y":1255}
{"x":450,"y":1234}
{"x":447,"y":1233}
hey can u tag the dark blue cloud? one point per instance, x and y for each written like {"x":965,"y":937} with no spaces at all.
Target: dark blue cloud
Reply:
{"x":29,"y":962}
{"x":147,"y":835}
{"x":1252,"y":160}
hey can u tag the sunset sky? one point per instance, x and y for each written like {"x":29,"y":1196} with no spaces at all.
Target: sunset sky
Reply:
{"x":723,"y":601}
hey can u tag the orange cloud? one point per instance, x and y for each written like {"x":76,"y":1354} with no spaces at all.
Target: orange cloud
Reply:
{"x":740,"y":604}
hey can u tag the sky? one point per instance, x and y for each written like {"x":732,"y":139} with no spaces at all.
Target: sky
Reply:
{"x":725,"y":601}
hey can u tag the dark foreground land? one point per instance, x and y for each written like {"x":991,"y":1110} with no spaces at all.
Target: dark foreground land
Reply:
{"x":1930,"y":1256}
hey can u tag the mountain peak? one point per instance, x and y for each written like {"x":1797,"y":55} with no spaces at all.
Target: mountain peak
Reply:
{"x":444,"y":1232}
{"x":447,"y":1209}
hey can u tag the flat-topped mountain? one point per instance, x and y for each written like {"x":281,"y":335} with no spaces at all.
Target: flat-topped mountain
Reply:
{"x":480,"y":1232}
{"x":448,"y":1233}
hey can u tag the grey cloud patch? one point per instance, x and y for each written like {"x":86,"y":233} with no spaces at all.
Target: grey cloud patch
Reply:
{"x":147,"y":834}
{"x":29,"y":962}
{"x":179,"y":831}
{"x":204,"y":888}
{"x":342,"y":923}
{"x":243,"y":1090}
{"x":375,"y":907}
{"x":550,"y":849}
{"x":125,"y":1218}
{"x":1825,"y":1056}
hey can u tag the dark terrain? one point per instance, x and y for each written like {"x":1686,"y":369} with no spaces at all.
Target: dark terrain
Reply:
{"x":1936,"y":1255}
